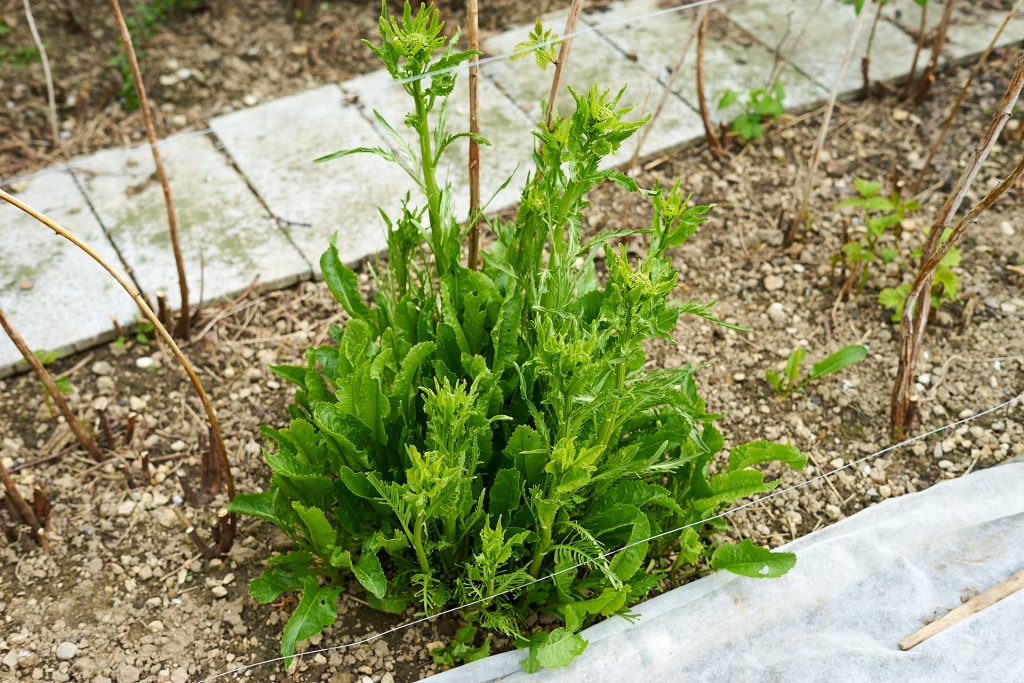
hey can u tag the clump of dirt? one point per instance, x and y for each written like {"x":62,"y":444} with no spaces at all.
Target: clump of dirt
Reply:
{"x":123,"y":595}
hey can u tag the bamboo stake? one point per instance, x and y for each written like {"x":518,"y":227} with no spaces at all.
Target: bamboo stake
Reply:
{"x":948,"y":123}
{"x":705,"y":116}
{"x":928,"y":77}
{"x":968,"y":609}
{"x":563,"y":58}
{"x":915,"y":311}
{"x":473,"y":30}
{"x":800,"y":219}
{"x":148,"y":313}
{"x":47,"y":74}
{"x":84,"y":438}
{"x":184,"y":322}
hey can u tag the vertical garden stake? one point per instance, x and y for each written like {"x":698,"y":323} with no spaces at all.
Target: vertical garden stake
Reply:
{"x":84,"y":438}
{"x":184,"y":322}
{"x":473,"y":31}
{"x":915,"y":310}
{"x":161,"y":331}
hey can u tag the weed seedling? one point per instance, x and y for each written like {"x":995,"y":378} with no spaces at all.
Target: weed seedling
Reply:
{"x":883,"y":222}
{"x":788,"y":381}
{"x":760,"y":106}
{"x":945,"y":284}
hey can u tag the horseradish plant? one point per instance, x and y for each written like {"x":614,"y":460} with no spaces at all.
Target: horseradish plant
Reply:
{"x":493,"y":437}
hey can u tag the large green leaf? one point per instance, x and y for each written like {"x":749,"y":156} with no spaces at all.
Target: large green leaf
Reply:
{"x":754,"y":452}
{"x":320,"y":530}
{"x":344,"y":284}
{"x":274,"y":581}
{"x":553,"y":650}
{"x":370,"y":574}
{"x":254,"y":505}
{"x":313,"y":614}
{"x":747,"y":559}
{"x":504,"y":494}
{"x":731,"y":486}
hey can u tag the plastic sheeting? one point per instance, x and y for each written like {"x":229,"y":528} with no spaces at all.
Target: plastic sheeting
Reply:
{"x":859,"y":587}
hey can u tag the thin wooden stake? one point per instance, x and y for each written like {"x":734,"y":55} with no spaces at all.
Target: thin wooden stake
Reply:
{"x":966,"y":610}
{"x":473,"y":29}
{"x":705,"y":116}
{"x":184,"y":321}
{"x":948,"y":123}
{"x":84,"y":438}
{"x":800,"y":219}
{"x":563,"y":58}
{"x":915,"y":310}
{"x":147,"y":312}
{"x":47,"y":75}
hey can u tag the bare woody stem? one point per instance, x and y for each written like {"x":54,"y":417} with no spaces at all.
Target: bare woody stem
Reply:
{"x":677,"y":69}
{"x":948,"y":123}
{"x":865,"y":61}
{"x":47,"y":74}
{"x":181,"y":329}
{"x":919,"y":45}
{"x":800,"y":218}
{"x":928,"y":77}
{"x":915,"y":311}
{"x":705,"y":115}
{"x":148,"y":313}
{"x":17,"y":500}
{"x":563,"y":59}
{"x":473,"y":30}
{"x":84,"y":438}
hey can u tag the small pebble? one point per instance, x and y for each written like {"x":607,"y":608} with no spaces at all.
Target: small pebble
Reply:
{"x":66,"y":651}
{"x":144,"y":363}
{"x":773,"y":283}
{"x":219,"y":591}
{"x":102,"y":368}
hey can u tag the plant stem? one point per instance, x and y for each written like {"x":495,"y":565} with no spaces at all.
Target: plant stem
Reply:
{"x":865,"y":61}
{"x":148,"y":313}
{"x":563,"y":58}
{"x":800,"y":219}
{"x":417,"y":543}
{"x":948,"y":123}
{"x":915,"y":311}
{"x":84,"y":438}
{"x":47,"y":74}
{"x":473,"y":28}
{"x":184,"y":322}
{"x":928,"y":77}
{"x":546,"y":511}
{"x":427,"y":163}
{"x":705,"y":116}
{"x":23,"y":508}
{"x":912,"y":78}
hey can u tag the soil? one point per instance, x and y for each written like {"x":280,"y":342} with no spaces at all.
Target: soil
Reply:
{"x":123,"y":583}
{"x":200,"y":63}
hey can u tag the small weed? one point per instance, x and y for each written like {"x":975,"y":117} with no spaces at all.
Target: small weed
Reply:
{"x":883,"y":219}
{"x":945,"y":284}
{"x":788,"y":381}
{"x":542,"y":44}
{"x":761,"y":105}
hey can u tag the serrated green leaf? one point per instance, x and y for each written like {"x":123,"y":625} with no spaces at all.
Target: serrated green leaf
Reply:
{"x":254,"y":505}
{"x":274,"y":581}
{"x":313,"y":614}
{"x":370,"y":574}
{"x":754,"y":452}
{"x":344,"y":284}
{"x":320,"y":530}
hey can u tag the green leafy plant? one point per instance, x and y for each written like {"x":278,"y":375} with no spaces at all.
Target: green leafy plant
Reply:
{"x":62,"y":382}
{"x":542,"y":43}
{"x":788,"y":381}
{"x":143,"y":24}
{"x":491,"y":437}
{"x":761,"y":105}
{"x":883,"y":219}
{"x":945,"y":284}
{"x":18,"y":56}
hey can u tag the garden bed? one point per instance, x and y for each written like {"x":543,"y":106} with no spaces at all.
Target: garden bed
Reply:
{"x":125,"y":585}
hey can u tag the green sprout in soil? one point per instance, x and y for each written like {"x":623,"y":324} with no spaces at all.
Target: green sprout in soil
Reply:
{"x":788,"y":381}
{"x":761,"y":105}
{"x":492,"y":437}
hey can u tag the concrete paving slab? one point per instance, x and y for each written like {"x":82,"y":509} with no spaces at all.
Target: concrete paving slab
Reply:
{"x":816,"y":33}
{"x":971,"y":26}
{"x":501,"y":122}
{"x":274,"y":145}
{"x":227,"y":238}
{"x":593,"y":60}
{"x":737,"y":62}
{"x":58,"y":298}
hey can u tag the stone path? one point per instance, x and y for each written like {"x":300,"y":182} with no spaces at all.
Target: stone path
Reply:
{"x":253,"y":207}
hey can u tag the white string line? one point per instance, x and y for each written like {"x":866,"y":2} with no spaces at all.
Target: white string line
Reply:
{"x":352,"y":95}
{"x":721,"y":515}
